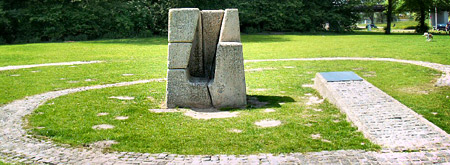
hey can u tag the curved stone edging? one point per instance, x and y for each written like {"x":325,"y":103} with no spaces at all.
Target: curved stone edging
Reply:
{"x":14,"y":67}
{"x":17,"y":146}
{"x":444,"y":80}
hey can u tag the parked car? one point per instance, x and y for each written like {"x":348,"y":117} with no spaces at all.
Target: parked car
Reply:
{"x":372,"y":26}
{"x":440,"y":27}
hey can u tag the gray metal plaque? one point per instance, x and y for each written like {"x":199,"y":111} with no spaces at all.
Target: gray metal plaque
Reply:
{"x":340,"y":76}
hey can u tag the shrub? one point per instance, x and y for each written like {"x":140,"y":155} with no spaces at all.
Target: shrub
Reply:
{"x":57,"y":20}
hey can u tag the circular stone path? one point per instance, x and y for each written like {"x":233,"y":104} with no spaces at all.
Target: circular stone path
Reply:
{"x":444,"y":80}
{"x":17,"y":146}
{"x":48,"y":64}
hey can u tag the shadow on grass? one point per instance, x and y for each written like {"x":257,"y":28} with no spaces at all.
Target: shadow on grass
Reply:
{"x":263,"y":38}
{"x":260,"y":101}
{"x":156,"y":40}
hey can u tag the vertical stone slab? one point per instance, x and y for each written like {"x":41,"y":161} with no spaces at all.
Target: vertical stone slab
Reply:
{"x":179,"y":55}
{"x":183,"y":24}
{"x":230,"y":27}
{"x":227,"y":89}
{"x":184,"y":91}
{"x":211,"y":21}
{"x":195,"y":66}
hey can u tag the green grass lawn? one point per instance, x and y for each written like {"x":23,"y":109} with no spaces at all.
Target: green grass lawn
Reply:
{"x":401,"y":24}
{"x":69,"y":119}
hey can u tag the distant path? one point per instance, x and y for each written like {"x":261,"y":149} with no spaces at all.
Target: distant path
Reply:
{"x":444,"y":80}
{"x":48,"y":64}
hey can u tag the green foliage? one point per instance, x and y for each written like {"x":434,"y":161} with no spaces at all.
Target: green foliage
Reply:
{"x":62,"y":20}
{"x":422,"y":8}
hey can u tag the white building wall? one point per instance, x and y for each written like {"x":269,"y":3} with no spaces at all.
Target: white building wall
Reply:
{"x":442,"y":18}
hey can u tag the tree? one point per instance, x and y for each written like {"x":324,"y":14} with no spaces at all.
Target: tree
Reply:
{"x":389,"y":16}
{"x":422,"y":7}
{"x":368,"y":8}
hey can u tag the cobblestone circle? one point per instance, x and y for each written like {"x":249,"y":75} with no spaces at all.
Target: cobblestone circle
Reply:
{"x":17,"y":146}
{"x":444,"y":80}
{"x":48,"y":64}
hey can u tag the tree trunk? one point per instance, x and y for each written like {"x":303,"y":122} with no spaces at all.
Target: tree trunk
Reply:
{"x":371,"y":16}
{"x":388,"y":17}
{"x":422,"y":27}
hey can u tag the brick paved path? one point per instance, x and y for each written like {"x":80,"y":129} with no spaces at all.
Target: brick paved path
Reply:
{"x":17,"y":146}
{"x":381,"y":118}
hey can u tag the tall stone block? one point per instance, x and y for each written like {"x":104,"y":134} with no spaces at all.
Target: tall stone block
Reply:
{"x":230,"y":27}
{"x":228,"y":86}
{"x":205,"y":61}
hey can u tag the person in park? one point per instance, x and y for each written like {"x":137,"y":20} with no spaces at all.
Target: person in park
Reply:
{"x":447,"y":28}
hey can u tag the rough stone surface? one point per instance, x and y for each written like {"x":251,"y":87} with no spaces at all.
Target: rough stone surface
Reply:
{"x":381,"y":118}
{"x":179,"y":55}
{"x":195,"y":65}
{"x":230,"y":27}
{"x":185,"y":91}
{"x":211,"y":21}
{"x":183,"y":24}
{"x":227,"y":89}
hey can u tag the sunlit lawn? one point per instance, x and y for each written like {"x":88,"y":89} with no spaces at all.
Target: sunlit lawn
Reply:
{"x":69,"y":119}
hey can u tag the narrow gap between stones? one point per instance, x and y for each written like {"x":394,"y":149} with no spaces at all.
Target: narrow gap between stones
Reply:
{"x":209,"y":93}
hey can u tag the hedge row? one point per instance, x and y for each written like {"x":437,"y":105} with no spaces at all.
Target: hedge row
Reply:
{"x":60,"y":20}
